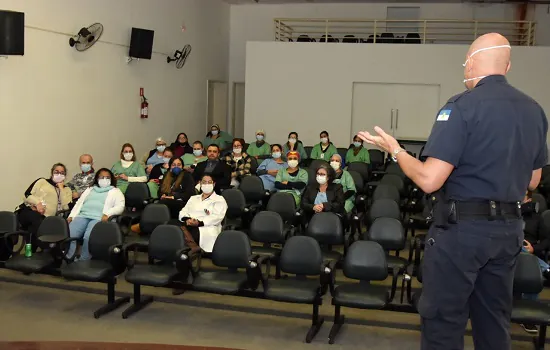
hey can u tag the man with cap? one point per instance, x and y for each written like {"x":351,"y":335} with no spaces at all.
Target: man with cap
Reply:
{"x":486,"y":148}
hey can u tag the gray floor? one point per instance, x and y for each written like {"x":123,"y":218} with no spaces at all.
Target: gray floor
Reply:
{"x":31,"y":313}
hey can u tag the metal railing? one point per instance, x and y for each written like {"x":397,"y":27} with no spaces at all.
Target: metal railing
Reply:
{"x":426,"y":31}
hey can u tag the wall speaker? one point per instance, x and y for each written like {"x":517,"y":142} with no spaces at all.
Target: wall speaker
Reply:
{"x":12,"y":33}
{"x":141,"y":43}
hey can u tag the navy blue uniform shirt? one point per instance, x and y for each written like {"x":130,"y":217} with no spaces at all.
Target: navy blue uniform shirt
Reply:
{"x":495,"y":136}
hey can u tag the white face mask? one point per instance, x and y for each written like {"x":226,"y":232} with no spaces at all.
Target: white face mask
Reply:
{"x":357,"y":144}
{"x":480,"y":50}
{"x":214,"y":132}
{"x":161,"y":148}
{"x":197,"y":152}
{"x":128,"y":156}
{"x":335,"y":165}
{"x":292,"y":141}
{"x":166,"y":160}
{"x":292,"y":163}
{"x":104,"y":183}
{"x":237,"y":150}
{"x":58,"y":178}
{"x":321,"y":179}
{"x":276,"y":155}
{"x":260,"y":137}
{"x":324,"y":139}
{"x":207,"y":188}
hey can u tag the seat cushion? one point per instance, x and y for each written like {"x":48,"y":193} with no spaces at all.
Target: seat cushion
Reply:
{"x":396,"y":263}
{"x":36,"y":263}
{"x":87,"y":270}
{"x":531,"y":311}
{"x":361,"y":296}
{"x":152,"y":275}
{"x":266,"y":251}
{"x":220,"y":282}
{"x":292,"y":290}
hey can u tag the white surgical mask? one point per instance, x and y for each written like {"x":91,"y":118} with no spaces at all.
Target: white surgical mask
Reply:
{"x":292,"y":163}
{"x":58,"y":178}
{"x":292,"y":141}
{"x":276,"y":155}
{"x":104,"y":183}
{"x":237,"y":150}
{"x":161,"y":148}
{"x":197,"y":152}
{"x":335,"y":165}
{"x":260,"y":137}
{"x":324,"y":139}
{"x":357,"y":144}
{"x":214,"y":132}
{"x":166,"y":160}
{"x":480,"y":50}
{"x":128,"y":156}
{"x":321,"y":179}
{"x":207,"y":188}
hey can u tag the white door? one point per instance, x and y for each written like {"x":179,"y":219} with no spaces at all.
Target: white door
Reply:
{"x":216,"y":102}
{"x":238,"y":109}
{"x":372,"y":106}
{"x":416,"y":106}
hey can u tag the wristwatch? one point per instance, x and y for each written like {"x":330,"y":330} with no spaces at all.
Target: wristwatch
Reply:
{"x":395,"y":153}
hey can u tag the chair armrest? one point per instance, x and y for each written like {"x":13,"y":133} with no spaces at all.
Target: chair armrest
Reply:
{"x":132,"y":246}
{"x":328,"y":277}
{"x":117,"y":258}
{"x":64,"y":245}
{"x":114,"y":218}
{"x":254,"y":271}
{"x":64,"y":213}
{"x":23,"y":234}
{"x":393,"y":286}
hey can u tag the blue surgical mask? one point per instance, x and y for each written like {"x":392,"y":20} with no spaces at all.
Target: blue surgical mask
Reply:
{"x":197,"y":152}
{"x":357,"y":144}
{"x":276,"y":155}
{"x":86,"y":167}
{"x":176,"y":171}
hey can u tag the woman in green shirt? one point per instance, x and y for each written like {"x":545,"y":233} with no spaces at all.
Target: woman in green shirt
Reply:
{"x":127,"y":170}
{"x":344,"y":178}
{"x":292,"y":180}
{"x":324,"y":149}
{"x":217,"y":137}
{"x":259,"y":149}
{"x":190,"y":161}
{"x":294,"y":144}
{"x":357,"y":153}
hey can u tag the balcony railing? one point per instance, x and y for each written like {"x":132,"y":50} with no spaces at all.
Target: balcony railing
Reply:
{"x":326,"y":30}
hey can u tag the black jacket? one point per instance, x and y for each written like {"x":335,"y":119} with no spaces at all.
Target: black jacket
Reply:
{"x":221,"y":175}
{"x":536,"y":234}
{"x":335,"y":197}
{"x":184,"y":191}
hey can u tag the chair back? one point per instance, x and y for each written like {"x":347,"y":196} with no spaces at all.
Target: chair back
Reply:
{"x":384,"y":191}
{"x":232,"y":250}
{"x":311,"y":176}
{"x":528,"y":277}
{"x":366,"y":261}
{"x":253,"y":165}
{"x":545,"y":223}
{"x":342,"y":152}
{"x":539,"y":198}
{"x":235,"y":203}
{"x":357,"y":180}
{"x":103,"y":236}
{"x":267,"y":227}
{"x":361,"y":168}
{"x":53,"y":225}
{"x":326,"y":228}
{"x":8,"y":222}
{"x":284,"y":204}
{"x":376,"y":158}
{"x":395,"y":169}
{"x":137,"y":195}
{"x":350,"y":39}
{"x":316,"y":163}
{"x":381,"y":208}
{"x":308,"y":150}
{"x":301,"y":255}
{"x":153,"y":215}
{"x":252,"y":188}
{"x":165,"y":242}
{"x":394,"y":180}
{"x":387,"y":232}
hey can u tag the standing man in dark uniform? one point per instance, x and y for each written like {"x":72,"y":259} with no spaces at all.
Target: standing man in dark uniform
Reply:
{"x":487,"y":147}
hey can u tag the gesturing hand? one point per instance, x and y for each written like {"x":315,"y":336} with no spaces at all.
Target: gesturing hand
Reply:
{"x":384,"y":141}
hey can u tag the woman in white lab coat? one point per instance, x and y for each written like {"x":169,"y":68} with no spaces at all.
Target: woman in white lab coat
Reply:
{"x":202,"y":217}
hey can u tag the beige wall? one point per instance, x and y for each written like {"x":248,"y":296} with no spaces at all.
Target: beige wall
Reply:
{"x":56,"y":103}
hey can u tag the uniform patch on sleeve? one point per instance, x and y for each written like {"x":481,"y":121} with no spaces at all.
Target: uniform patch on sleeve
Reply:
{"x":444,"y":115}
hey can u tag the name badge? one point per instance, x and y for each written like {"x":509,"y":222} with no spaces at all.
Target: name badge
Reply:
{"x":322,"y":155}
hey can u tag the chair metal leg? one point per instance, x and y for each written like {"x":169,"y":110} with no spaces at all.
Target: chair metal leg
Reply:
{"x":539,"y":343}
{"x":112,"y":303}
{"x":316,"y":323}
{"x":338,"y":323}
{"x":139,"y":303}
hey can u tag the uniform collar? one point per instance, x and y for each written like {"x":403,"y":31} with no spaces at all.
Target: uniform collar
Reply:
{"x":493,"y":79}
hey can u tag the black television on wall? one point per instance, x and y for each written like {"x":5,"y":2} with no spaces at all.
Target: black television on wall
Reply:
{"x":141,"y":43}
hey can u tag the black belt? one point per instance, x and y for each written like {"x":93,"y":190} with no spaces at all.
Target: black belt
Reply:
{"x":490,"y":210}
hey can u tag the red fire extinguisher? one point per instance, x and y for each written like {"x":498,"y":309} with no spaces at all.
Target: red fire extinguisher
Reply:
{"x":144,"y":108}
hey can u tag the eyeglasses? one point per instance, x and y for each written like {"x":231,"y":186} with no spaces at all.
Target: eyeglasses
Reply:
{"x":104,"y":178}
{"x":321,"y":174}
{"x":59,"y":173}
{"x":207,"y":182}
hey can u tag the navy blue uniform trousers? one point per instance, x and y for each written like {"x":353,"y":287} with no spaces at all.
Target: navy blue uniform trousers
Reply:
{"x":468,"y":271}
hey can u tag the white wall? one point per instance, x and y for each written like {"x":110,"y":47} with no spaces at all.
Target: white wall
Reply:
{"x":308,"y":88}
{"x":56,"y":103}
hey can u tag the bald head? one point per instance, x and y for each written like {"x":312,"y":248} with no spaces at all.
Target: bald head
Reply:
{"x":86,"y":159}
{"x":488,"y":55}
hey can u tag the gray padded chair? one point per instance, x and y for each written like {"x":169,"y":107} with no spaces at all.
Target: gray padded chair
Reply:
{"x":285,"y":205}
{"x":107,"y":262}
{"x":326,"y":228}
{"x":268,"y":228}
{"x":366,"y":262}
{"x":385,"y":191}
{"x":236,"y":209}
{"x":302,"y":257}
{"x":8,"y":224}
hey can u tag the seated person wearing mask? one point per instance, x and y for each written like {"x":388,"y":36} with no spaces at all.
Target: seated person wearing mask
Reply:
{"x":324,"y":149}
{"x":190,"y":160}
{"x":176,"y":188}
{"x":154,"y":156}
{"x":292,"y":180}
{"x":181,"y":146}
{"x":44,"y":197}
{"x":157,"y":173}
{"x":85,"y":178}
{"x":344,"y":178}
{"x":219,"y":170}
{"x":357,"y":153}
{"x":324,"y":196}
{"x":259,"y":149}
{"x":127,"y":170}
{"x":270,"y":167}
{"x":239,"y":162}
{"x":294,"y":144}
{"x":97,"y":203}
{"x":202,"y":217}
{"x":217,"y":137}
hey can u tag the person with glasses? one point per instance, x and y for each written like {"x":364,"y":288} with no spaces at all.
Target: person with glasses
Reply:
{"x":190,"y":160}
{"x":127,"y":170}
{"x":201,"y":218}
{"x":181,"y":146}
{"x":293,"y":179}
{"x":44,"y":197}
{"x":324,"y":195}
{"x":239,"y":162}
{"x":97,"y":203}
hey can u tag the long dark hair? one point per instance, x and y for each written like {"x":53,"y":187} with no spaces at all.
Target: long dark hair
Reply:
{"x":96,"y":177}
{"x":166,"y":186}
{"x":178,"y":137}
